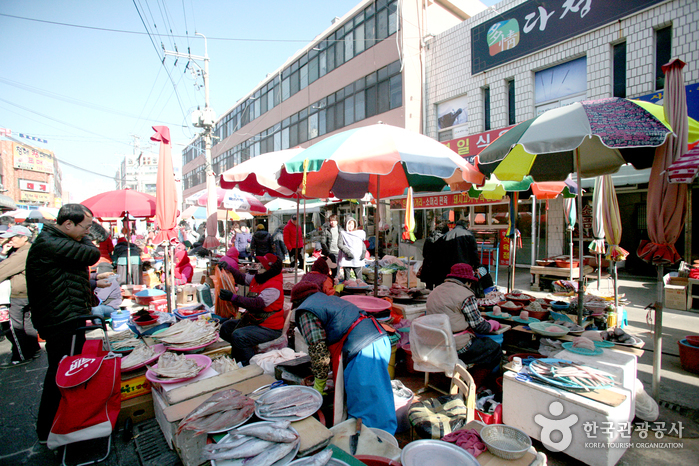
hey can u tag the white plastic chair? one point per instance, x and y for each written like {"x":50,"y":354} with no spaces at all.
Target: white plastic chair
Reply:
{"x":433,"y":347}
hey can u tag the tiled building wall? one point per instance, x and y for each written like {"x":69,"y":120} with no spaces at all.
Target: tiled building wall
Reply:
{"x":449,"y":76}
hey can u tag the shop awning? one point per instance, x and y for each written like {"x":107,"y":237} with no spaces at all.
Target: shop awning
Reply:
{"x":7,"y":203}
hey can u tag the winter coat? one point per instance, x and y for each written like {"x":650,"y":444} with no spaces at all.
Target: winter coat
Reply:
{"x":261,"y":243}
{"x":352,"y":247}
{"x":14,"y":269}
{"x":58,"y":284}
{"x":278,"y":243}
{"x":326,"y":238}
{"x":293,"y":237}
{"x":455,"y":247}
{"x":242,"y":241}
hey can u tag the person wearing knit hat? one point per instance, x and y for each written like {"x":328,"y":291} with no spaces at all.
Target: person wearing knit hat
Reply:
{"x":261,"y":242}
{"x":338,"y":332}
{"x":263,"y":320}
{"x":456,"y":299}
{"x":320,"y":275}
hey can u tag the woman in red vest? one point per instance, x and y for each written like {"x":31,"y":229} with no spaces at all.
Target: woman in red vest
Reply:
{"x":264,"y":317}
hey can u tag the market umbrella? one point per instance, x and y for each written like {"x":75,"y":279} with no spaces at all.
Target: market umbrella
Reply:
{"x":588,"y":138}
{"x":125,"y":204}
{"x":379,"y":159}
{"x":232,"y":199}
{"x":597,"y":246}
{"x":512,"y":233}
{"x":408,"y":234}
{"x":165,"y":205}
{"x":666,"y":202}
{"x":258,"y":175}
{"x":199,"y":213}
{"x":121,"y":203}
{"x":685,"y":168}
{"x":165,"y":189}
{"x":612,"y":228}
{"x":570,"y":214}
{"x":41,"y":213}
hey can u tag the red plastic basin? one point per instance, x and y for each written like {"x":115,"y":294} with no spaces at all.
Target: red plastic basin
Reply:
{"x":370,"y":460}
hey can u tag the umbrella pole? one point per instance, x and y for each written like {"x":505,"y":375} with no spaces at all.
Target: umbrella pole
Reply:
{"x":658,"y":338}
{"x":616,"y":288}
{"x":296,"y":250}
{"x":128,"y":251}
{"x":166,"y":266}
{"x":581,"y":287}
{"x":377,"y":219}
{"x":303,"y":231}
{"x":599,"y":270}
{"x":571,"y":254}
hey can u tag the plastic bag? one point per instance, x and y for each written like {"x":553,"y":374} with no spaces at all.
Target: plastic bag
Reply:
{"x":224,"y":280}
{"x":646,"y":407}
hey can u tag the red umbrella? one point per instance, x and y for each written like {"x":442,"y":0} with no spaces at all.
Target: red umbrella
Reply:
{"x":165,"y":191}
{"x":234,"y":199}
{"x":121,"y":203}
{"x":667,"y":202}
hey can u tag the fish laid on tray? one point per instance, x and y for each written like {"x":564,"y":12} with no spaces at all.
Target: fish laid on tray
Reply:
{"x":255,"y":445}
{"x":319,"y":459}
{"x":224,"y":364}
{"x":299,"y":403}
{"x":188,"y":334}
{"x":138,"y":356}
{"x":123,"y":340}
{"x":221,"y":410}
{"x":176,"y":366}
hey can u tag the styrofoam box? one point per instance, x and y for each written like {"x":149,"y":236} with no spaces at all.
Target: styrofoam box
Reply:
{"x":523,"y":401}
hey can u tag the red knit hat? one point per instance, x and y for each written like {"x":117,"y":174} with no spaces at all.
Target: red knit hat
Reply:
{"x":462,"y":271}
{"x":303,"y":289}
{"x":321,"y":266}
{"x":267,"y":260}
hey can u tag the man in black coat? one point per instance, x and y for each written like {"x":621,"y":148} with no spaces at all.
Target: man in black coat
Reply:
{"x":58,"y":288}
{"x":261,"y":243}
{"x":457,"y":246}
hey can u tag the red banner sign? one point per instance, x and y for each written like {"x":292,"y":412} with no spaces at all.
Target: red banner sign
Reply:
{"x":474,"y":144}
{"x":441,"y":201}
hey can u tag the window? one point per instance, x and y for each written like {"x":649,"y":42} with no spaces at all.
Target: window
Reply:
{"x":349,"y":110}
{"x":303,"y":76}
{"x":560,"y":85}
{"x":511,"y":120}
{"x":396,"y":90}
{"x":486,"y":108}
{"x":619,"y":70}
{"x":313,"y":70}
{"x":663,"y":51}
{"x":349,"y":46}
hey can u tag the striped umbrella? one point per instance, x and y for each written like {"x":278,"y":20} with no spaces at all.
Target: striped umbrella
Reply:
{"x":685,"y":168}
{"x":611,"y":219}
{"x":597,"y":246}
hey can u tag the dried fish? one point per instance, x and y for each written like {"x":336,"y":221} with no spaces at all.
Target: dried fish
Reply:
{"x":300,"y":410}
{"x":222,"y":410}
{"x":137,"y":356}
{"x":176,"y":366}
{"x":224,"y":364}
{"x":189,"y":333}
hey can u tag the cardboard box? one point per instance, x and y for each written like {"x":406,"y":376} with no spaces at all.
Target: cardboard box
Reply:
{"x":138,"y":409}
{"x":134,"y":387}
{"x":675,"y":292}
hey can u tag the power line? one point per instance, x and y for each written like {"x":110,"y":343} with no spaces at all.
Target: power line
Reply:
{"x":123,"y":31}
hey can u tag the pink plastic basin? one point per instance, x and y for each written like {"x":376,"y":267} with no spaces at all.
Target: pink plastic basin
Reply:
{"x":368,"y":303}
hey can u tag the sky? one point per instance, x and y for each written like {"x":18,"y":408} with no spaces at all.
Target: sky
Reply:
{"x":89,"y":76}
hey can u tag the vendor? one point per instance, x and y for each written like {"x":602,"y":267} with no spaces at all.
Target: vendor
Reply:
{"x":337,"y":332}
{"x":455,"y":298}
{"x":264,"y":304}
{"x":320,"y":275}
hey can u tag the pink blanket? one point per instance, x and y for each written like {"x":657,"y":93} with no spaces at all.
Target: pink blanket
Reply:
{"x":467,"y":439}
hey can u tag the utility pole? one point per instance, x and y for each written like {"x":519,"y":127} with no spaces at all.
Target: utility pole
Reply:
{"x":205,"y":119}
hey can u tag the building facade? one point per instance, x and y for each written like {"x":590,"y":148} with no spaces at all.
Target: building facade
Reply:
{"x":520,"y":58}
{"x":29,"y":175}
{"x":365,"y":68}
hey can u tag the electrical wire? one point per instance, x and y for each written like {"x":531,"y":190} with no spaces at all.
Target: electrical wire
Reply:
{"x":123,"y":31}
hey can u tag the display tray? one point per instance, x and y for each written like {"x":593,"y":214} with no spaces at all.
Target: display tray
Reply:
{"x":192,"y":348}
{"x":587,"y":352}
{"x":277,"y":392}
{"x":433,"y":452}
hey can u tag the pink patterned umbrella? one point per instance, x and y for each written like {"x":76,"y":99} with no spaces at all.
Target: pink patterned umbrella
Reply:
{"x":685,"y":168}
